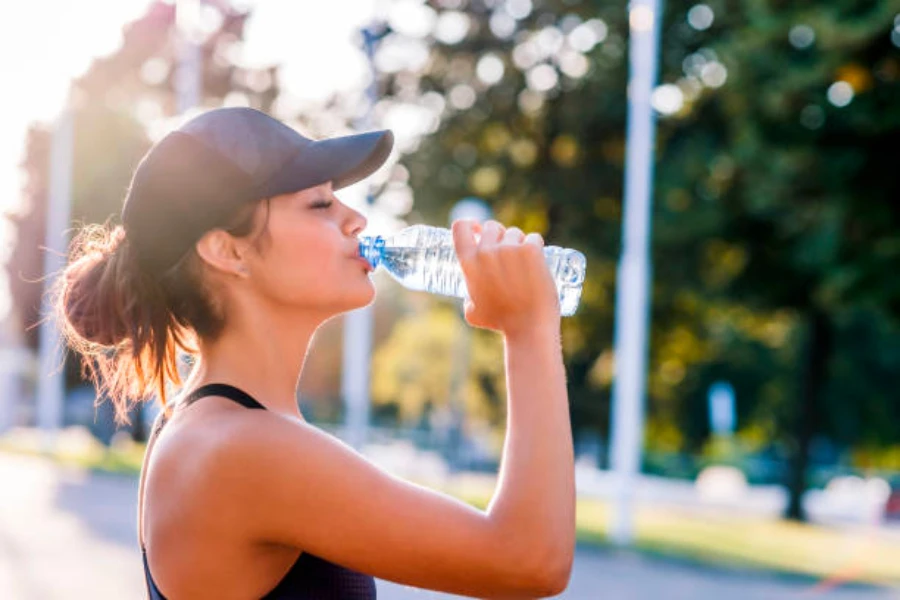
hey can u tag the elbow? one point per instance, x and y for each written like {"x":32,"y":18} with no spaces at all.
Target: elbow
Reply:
{"x":555,"y":580}
{"x":551,"y":573}
{"x":536,"y":569}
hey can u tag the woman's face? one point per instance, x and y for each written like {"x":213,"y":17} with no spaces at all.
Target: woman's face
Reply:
{"x":307,"y":254}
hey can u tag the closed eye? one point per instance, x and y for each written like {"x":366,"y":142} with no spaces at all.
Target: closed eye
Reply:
{"x":321,"y":204}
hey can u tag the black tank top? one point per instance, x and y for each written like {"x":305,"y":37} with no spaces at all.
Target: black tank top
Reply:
{"x":310,"y":577}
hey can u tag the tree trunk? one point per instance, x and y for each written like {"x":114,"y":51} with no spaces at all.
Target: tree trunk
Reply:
{"x":818,"y":351}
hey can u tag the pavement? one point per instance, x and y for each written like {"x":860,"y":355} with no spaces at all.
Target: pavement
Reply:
{"x":67,"y":533}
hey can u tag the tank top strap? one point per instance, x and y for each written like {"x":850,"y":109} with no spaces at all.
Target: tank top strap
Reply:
{"x":226,"y":391}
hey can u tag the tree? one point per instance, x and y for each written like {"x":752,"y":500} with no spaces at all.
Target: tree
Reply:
{"x":774,"y":214}
{"x":790,"y":159}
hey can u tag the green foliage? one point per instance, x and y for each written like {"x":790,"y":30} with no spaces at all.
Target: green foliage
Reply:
{"x":772,"y":203}
{"x":415,"y":367}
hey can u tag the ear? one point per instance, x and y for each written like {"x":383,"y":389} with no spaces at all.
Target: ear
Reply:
{"x":221,"y":251}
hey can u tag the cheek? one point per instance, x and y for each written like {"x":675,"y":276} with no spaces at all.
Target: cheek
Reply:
{"x":303,"y":267}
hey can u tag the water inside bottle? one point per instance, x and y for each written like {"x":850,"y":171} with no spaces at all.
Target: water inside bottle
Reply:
{"x":426,"y":265}
{"x":423,"y":258}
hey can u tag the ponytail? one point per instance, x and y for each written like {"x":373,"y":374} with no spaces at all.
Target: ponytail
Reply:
{"x":119,"y":320}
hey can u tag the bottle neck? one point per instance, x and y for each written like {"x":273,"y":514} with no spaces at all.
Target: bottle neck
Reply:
{"x":372,"y":249}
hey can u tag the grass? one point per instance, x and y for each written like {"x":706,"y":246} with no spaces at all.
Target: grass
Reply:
{"x":830,"y":555}
{"x":76,"y":449}
{"x":722,"y":539}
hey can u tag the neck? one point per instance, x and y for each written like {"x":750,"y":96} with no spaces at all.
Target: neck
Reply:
{"x":260,"y":354}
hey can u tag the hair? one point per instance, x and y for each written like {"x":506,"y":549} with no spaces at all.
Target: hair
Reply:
{"x":130,"y":326}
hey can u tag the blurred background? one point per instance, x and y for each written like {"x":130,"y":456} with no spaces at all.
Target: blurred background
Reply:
{"x":758,"y":453}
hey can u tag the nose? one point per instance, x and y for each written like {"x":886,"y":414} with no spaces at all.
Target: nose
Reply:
{"x":354,"y":223}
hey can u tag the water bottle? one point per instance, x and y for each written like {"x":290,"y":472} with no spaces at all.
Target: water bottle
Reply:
{"x":423,"y":258}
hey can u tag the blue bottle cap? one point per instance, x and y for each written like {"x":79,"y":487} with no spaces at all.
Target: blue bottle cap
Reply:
{"x":372,"y":249}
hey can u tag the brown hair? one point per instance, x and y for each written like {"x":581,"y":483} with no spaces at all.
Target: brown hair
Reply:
{"x":129,"y":326}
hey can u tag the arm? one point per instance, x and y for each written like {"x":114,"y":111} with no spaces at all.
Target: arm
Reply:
{"x":535,"y":497}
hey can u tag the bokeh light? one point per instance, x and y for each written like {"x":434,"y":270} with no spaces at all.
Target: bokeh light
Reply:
{"x":667,"y":99}
{"x":412,"y":18}
{"x":542,"y":78}
{"x":452,"y":27}
{"x":587,"y":35}
{"x":802,"y":36}
{"x":502,"y":25}
{"x":701,"y":17}
{"x":490,"y":69}
{"x":525,"y":55}
{"x":550,"y":40}
{"x":518,"y":9}
{"x":840,"y":93}
{"x":574,"y":64}
{"x":714,"y":74}
{"x":462,"y":97}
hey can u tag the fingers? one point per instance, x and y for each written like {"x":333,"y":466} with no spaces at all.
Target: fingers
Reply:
{"x":513,"y":235}
{"x":464,"y":239}
{"x":467,"y":240}
{"x":491,"y":233}
{"x":535,"y":239}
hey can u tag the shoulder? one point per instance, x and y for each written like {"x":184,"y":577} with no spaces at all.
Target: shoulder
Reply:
{"x":214,"y":464}
{"x":216,"y":446}
{"x":218,"y":442}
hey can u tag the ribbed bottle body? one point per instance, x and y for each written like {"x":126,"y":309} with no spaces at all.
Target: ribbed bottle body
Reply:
{"x":423,"y":258}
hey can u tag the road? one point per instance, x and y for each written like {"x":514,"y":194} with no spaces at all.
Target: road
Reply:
{"x":65,"y":533}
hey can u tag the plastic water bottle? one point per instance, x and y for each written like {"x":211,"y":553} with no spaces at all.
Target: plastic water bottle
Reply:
{"x":423,"y":258}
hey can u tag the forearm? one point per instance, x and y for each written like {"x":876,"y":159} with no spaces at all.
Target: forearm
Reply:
{"x":535,"y":497}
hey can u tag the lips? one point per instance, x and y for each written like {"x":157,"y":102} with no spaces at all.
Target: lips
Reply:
{"x":366,"y":265}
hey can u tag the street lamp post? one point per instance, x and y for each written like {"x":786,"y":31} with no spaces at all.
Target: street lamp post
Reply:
{"x":633,"y":284}
{"x":50,"y":402}
{"x":188,"y":76}
{"x":358,"y":324}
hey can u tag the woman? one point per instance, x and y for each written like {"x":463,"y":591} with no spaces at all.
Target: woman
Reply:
{"x":235,"y":249}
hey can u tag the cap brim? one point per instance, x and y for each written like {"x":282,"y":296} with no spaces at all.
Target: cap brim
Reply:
{"x":342,"y":161}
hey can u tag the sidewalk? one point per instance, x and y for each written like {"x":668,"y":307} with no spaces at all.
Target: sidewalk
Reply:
{"x":67,"y":533}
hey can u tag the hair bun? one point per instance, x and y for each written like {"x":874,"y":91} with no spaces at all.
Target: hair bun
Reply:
{"x":96,"y":293}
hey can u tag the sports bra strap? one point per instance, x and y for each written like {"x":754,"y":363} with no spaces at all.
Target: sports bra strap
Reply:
{"x":226,"y":391}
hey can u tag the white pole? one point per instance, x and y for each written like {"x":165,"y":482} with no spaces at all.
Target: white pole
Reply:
{"x":15,"y":360}
{"x":355,"y":374}
{"x":51,"y":381}
{"x":189,"y":74}
{"x":358,"y":324}
{"x":634,"y":268}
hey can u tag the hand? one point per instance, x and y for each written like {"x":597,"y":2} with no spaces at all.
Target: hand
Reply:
{"x":510,"y":287}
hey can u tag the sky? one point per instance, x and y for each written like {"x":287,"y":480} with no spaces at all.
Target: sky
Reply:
{"x":41,"y":51}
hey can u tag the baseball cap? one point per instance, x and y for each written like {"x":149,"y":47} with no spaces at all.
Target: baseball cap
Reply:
{"x":196,"y":177}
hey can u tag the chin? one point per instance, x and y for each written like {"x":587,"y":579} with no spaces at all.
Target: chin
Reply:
{"x":359,"y":299}
{"x":366,"y":298}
